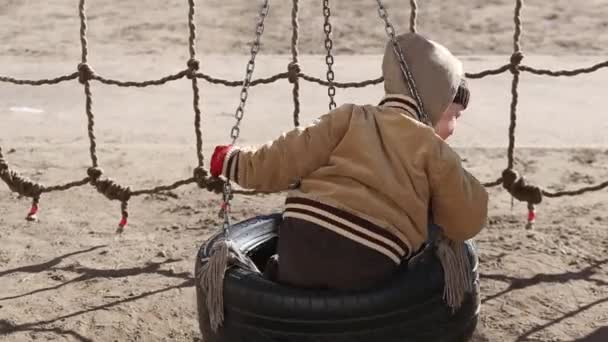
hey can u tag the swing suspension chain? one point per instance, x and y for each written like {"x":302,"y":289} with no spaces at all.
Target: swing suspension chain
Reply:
{"x":329,"y":58}
{"x":515,"y":183}
{"x":255,"y":48}
{"x":390,"y":31}
{"x":240,"y":111}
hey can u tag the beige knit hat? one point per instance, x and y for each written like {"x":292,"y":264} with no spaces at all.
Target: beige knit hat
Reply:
{"x":437,"y":73}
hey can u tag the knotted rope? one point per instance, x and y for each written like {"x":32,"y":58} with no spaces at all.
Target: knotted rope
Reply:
{"x":512,"y":182}
{"x":294,"y":68}
{"x":21,"y":185}
{"x":112,"y":191}
{"x":211,"y":277}
{"x":85,"y":74}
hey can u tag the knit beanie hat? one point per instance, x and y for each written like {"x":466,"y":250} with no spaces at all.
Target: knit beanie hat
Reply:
{"x":437,"y":73}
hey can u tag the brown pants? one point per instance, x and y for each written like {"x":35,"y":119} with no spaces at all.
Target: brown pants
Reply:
{"x":310,"y":256}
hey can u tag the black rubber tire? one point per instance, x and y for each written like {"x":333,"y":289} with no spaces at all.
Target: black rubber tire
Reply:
{"x":408,"y":308}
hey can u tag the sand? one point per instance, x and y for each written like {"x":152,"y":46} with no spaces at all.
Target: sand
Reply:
{"x":69,"y":277}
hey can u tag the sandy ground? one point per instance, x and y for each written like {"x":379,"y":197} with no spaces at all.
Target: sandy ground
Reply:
{"x":69,"y":277}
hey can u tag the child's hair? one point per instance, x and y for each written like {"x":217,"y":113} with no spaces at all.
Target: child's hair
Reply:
{"x":462,"y":94}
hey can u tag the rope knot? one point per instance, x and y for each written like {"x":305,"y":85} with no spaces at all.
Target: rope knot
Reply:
{"x":293,"y":72}
{"x":85,"y":72}
{"x":516,"y":185}
{"x":21,"y":185}
{"x":516,"y":59}
{"x":94,"y":173}
{"x":112,"y":190}
{"x":193,"y":66}
{"x":201,"y":177}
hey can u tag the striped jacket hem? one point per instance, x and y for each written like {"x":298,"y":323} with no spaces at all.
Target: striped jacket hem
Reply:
{"x":349,"y":226}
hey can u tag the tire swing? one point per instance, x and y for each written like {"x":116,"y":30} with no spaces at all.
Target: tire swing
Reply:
{"x":434,"y":296}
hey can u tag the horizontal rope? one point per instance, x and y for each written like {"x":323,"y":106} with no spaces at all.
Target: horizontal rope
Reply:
{"x":359,"y":84}
{"x":489,"y":72}
{"x":284,"y":75}
{"x":66,"y":186}
{"x":180,"y":183}
{"x":493,"y":184}
{"x":570,"y":73}
{"x":162,"y":188}
{"x":56,"y":80}
{"x":271,"y":79}
{"x":546,"y":193}
{"x":576,"y":192}
{"x":141,"y":84}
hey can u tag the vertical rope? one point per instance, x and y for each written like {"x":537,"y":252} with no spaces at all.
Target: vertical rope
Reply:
{"x":192,"y":29}
{"x":193,"y":66}
{"x":85,"y":74}
{"x":107,"y":187}
{"x":295,"y":28}
{"x":91,"y":123}
{"x":413,"y":15}
{"x":516,"y":59}
{"x":83,"y":31}
{"x":3,"y":164}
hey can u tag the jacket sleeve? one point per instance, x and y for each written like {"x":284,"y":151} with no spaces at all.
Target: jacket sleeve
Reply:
{"x":459,"y":201}
{"x":276,"y":165}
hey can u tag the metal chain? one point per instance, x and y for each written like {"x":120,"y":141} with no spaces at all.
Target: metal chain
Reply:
{"x":255,"y":48}
{"x":240,"y":111}
{"x":390,"y":31}
{"x":329,"y":58}
{"x":85,"y":74}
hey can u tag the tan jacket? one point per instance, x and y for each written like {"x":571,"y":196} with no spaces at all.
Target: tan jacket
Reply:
{"x":371,"y":173}
{"x":376,"y":163}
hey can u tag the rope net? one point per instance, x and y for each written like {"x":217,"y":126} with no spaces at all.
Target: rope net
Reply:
{"x":510,"y":179}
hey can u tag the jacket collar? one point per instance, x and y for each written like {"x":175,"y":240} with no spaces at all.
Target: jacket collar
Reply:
{"x":401,"y":102}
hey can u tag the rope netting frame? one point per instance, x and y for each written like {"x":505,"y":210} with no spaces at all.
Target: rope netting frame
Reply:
{"x":510,"y":179}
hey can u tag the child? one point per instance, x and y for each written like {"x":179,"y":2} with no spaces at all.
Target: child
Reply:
{"x":368,"y":176}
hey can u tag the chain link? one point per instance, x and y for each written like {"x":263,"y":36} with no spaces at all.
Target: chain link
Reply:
{"x":390,"y":31}
{"x":240,"y":111}
{"x":255,"y":48}
{"x":24,"y":187}
{"x":329,"y":59}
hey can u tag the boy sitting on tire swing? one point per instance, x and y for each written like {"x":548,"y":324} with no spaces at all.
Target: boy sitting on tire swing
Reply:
{"x":368,"y":176}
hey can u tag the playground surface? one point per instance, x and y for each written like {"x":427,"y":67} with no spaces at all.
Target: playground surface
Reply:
{"x":70,"y":277}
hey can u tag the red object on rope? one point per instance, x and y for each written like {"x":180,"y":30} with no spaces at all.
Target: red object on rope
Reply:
{"x":123,"y":222}
{"x":531,"y":215}
{"x":31,"y":216}
{"x":224,"y":209}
